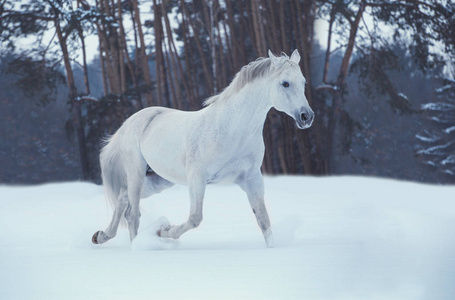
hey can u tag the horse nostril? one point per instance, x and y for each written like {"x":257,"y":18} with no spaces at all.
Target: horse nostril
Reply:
{"x":304,"y":117}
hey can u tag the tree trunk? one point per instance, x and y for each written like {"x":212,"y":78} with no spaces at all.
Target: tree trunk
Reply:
{"x":194,"y":98}
{"x":171,"y":85}
{"x":176,"y":65}
{"x":102,"y":63}
{"x":143,"y":56}
{"x":106,"y":45}
{"x":163,"y":90}
{"x":258,"y":28}
{"x":243,"y":59}
{"x":211,"y":29}
{"x":284,"y":42}
{"x":205,"y":68}
{"x":84,"y":61}
{"x":338,"y":93}
{"x":229,"y":52}
{"x":121,"y":46}
{"x":77,"y":118}
{"x":327,"y":52}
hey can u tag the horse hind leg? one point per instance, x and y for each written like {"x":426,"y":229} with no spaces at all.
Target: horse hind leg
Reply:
{"x":111,"y":231}
{"x":135,"y":181}
{"x":128,"y":204}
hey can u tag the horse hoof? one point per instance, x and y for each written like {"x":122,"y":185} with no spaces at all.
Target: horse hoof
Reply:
{"x":95,"y":238}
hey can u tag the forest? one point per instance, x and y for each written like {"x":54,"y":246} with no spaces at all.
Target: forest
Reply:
{"x":380,"y":78}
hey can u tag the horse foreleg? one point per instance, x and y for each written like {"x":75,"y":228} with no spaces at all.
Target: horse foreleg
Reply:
{"x":197,"y":190}
{"x":253,"y":185}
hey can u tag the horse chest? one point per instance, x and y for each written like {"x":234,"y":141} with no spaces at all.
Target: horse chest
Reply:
{"x":230,"y":170}
{"x":229,"y":164}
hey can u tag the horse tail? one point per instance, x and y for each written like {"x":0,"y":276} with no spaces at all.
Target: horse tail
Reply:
{"x":113,"y":171}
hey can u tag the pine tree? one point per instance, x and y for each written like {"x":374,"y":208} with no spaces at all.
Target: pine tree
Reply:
{"x":436,"y":146}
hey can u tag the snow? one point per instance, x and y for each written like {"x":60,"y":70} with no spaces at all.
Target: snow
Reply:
{"x":448,"y":160}
{"x":336,"y":238}
{"x":438,"y":106}
{"x":431,"y":139}
{"x":325,"y":86}
{"x":435,"y":150}
{"x":403,"y":96}
{"x":444,"y":88}
{"x":441,"y":120}
{"x":449,"y":130}
{"x":87,"y":98}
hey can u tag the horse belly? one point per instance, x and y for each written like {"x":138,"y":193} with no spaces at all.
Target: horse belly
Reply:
{"x":168,"y":167}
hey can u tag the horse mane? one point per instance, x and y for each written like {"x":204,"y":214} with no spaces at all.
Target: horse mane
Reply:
{"x":259,"y":68}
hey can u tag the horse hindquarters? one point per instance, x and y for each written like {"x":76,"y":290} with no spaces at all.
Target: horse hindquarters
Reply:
{"x":123,"y":170}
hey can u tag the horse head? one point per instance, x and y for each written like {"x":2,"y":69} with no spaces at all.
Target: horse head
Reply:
{"x":288,"y":89}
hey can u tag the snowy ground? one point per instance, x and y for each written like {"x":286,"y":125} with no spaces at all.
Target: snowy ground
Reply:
{"x":337,"y":238}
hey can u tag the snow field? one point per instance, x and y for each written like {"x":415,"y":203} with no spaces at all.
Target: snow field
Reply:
{"x":336,"y":238}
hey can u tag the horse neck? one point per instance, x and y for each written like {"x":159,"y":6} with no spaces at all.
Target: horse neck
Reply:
{"x":247,"y":108}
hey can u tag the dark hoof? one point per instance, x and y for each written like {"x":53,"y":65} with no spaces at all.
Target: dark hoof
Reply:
{"x":95,"y":237}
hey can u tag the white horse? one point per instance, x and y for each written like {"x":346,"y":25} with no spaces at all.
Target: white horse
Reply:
{"x":158,"y":147}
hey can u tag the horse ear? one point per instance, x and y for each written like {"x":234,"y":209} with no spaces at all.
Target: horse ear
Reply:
{"x":295,"y":56}
{"x":275,"y":61}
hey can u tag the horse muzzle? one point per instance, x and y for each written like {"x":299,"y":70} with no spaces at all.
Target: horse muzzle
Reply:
{"x":304,"y":118}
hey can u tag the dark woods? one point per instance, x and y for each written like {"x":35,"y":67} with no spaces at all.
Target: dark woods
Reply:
{"x":176,"y":53}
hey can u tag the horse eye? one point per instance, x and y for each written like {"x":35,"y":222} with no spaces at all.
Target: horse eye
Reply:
{"x":285,"y":84}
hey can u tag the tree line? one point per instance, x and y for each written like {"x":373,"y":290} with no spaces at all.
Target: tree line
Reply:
{"x":176,"y":53}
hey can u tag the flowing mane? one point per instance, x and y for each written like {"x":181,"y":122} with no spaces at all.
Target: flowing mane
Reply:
{"x":259,"y":68}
